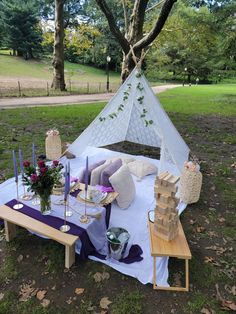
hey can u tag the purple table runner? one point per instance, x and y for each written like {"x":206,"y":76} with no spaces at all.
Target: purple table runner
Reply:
{"x":87,"y":247}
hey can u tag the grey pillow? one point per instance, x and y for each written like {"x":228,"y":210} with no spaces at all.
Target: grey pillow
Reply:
{"x":109,"y":171}
{"x":90,"y":169}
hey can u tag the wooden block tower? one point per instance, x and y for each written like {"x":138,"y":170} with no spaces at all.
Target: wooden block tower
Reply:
{"x":166,"y":221}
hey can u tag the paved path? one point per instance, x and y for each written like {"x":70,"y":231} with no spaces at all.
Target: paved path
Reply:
{"x":7,"y":103}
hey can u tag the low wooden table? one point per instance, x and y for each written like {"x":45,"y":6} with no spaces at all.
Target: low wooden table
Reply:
{"x":14,"y":218}
{"x":178,"y":248}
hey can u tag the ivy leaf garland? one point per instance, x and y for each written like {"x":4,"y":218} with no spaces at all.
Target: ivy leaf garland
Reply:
{"x":140,"y":99}
{"x":126,"y":95}
{"x":120,"y":108}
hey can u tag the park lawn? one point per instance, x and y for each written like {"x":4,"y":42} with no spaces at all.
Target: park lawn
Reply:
{"x":18,"y":67}
{"x":209,"y":225}
{"x":201,"y":99}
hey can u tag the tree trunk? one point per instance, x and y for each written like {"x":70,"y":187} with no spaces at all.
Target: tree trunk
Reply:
{"x":58,"y":53}
{"x":128,"y":65}
{"x":134,"y":31}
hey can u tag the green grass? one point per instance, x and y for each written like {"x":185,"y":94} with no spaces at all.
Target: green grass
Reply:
{"x":201,"y":99}
{"x":17,"y":67}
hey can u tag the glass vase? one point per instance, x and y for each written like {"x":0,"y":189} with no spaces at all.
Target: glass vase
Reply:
{"x":45,"y":204}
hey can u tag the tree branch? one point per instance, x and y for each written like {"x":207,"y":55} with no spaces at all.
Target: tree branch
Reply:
{"x":112,"y":24}
{"x":151,"y":36}
{"x":137,"y":20}
{"x":125,"y":18}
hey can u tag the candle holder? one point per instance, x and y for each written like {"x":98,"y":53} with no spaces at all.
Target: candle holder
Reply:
{"x":69,"y":212}
{"x":18,"y":205}
{"x":65,"y":227}
{"x":25,"y":196}
{"x":84,"y":219}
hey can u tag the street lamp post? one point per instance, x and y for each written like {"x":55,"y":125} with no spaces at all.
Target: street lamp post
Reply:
{"x":185,"y":75}
{"x":108,"y":83}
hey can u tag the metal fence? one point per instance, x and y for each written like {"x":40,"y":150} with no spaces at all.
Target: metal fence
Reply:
{"x":23,"y":88}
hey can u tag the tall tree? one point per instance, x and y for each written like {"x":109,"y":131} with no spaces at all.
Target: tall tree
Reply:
{"x":58,"y":53}
{"x":133,"y":34}
{"x":21,"y":22}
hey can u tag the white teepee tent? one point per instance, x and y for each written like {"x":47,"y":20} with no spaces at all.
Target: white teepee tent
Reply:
{"x":134,"y":114}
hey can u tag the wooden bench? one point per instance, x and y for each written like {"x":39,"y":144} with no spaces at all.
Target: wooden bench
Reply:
{"x":14,"y":218}
{"x":178,"y":247}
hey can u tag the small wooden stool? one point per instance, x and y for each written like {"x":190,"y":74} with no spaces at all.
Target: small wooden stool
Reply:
{"x":178,"y":247}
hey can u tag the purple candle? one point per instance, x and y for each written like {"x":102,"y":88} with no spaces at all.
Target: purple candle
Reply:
{"x":86,"y":176}
{"x":15,"y":166}
{"x":66,"y":184}
{"x":68,"y":179}
{"x":33,"y":155}
{"x":21,"y":161}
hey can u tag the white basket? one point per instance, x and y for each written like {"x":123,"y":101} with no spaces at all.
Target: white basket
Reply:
{"x":190,"y":186}
{"x":53,"y":147}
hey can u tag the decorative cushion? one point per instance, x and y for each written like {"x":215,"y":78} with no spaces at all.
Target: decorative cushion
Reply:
{"x":96,"y":173}
{"x":90,"y":169}
{"x":108,"y":171}
{"x":125,"y":159}
{"x":141,"y":168}
{"x":122,"y":182}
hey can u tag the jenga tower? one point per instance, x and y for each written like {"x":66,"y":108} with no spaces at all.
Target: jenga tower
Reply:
{"x":166,"y":215}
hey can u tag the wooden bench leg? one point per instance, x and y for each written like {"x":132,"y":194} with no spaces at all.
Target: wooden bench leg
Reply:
{"x":186,"y":275}
{"x":154,"y":273}
{"x":10,"y":230}
{"x":186,"y":288}
{"x":69,"y":255}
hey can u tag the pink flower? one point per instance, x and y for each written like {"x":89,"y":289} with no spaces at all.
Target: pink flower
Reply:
{"x":34,"y":177}
{"x":43,"y":170}
{"x":41,"y":163}
{"x":55,"y":163}
{"x":26,"y":163}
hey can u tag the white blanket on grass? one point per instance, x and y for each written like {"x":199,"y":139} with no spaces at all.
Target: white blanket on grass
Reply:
{"x":134,"y":219}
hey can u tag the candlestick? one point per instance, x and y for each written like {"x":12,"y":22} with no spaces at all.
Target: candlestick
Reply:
{"x":84,"y":218}
{"x":69,"y":212}
{"x":18,"y":205}
{"x":25,"y":196}
{"x":15,"y":166}
{"x":65,"y":227}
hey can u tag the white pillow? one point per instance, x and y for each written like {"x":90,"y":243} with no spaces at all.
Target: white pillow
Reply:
{"x":125,"y":160}
{"x":122,"y":182}
{"x":95,"y":174}
{"x":141,"y":168}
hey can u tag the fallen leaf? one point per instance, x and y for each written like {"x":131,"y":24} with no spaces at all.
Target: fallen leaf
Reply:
{"x":104,"y":312}
{"x":105,"y":275}
{"x":192,"y":222}
{"x":213,"y":247}
{"x":20,"y":258}
{"x":79,"y":291}
{"x":26,"y":291}
{"x":69,"y":301}
{"x":200,"y":229}
{"x":97,"y":277}
{"x":41,"y":294}
{"x":221,"y":219}
{"x":45,"y":303}
{"x":233,"y":290}
{"x":104,"y":303}
{"x":225,"y":304}
{"x":1,"y":296}
{"x":206,"y":311}
{"x":208,"y":259}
